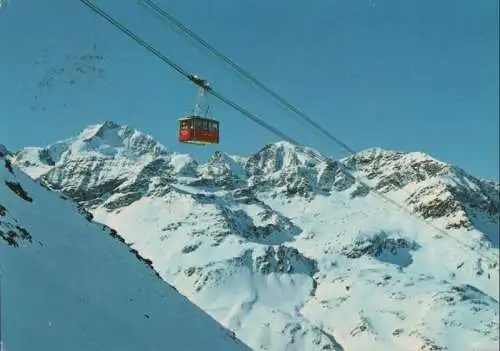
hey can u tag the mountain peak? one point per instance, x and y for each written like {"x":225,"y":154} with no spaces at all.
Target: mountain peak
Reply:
{"x":110,"y":138}
{"x":279,"y":156}
{"x":430,"y":187}
{"x":387,"y":161}
{"x":377,"y":154}
{"x":279,"y":239}
{"x":103,"y":141}
{"x":223,"y":170}
{"x":94,"y":129}
{"x":99,"y":128}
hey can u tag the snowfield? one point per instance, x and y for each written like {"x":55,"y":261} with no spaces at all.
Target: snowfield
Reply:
{"x":68,"y":284}
{"x":291,"y":254}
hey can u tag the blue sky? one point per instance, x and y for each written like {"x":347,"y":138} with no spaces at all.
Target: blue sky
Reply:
{"x":416,"y":75}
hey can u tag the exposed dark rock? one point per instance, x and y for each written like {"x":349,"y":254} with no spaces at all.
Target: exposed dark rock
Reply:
{"x":45,"y":157}
{"x":3,"y":151}
{"x":123,"y":201}
{"x":397,"y":332}
{"x":9,"y":237}
{"x":343,"y":181}
{"x":240,"y":223}
{"x":18,"y":190}
{"x":15,"y":235}
{"x":395,"y":250}
{"x":190,"y":248}
{"x":82,"y":211}
{"x":360,"y":191}
{"x":284,"y":259}
{"x":8,"y":166}
{"x":146,"y":261}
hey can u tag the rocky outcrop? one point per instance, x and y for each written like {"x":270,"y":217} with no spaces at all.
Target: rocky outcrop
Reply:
{"x":387,"y":247}
{"x":237,"y":224}
{"x":431,"y":189}
{"x":284,"y":259}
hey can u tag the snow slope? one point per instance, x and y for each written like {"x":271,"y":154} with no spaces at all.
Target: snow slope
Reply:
{"x":67,"y":284}
{"x":288,"y":252}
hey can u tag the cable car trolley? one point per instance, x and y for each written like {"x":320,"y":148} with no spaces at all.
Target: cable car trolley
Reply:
{"x":195,"y":128}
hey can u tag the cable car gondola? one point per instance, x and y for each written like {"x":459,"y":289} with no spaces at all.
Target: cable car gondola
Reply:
{"x":196,"y":129}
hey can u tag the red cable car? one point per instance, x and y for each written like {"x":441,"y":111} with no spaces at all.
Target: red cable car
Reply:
{"x":195,"y":129}
{"x":198,"y":130}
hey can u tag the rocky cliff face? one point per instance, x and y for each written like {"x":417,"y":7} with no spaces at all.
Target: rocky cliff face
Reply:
{"x":430,"y":188}
{"x":287,"y":251}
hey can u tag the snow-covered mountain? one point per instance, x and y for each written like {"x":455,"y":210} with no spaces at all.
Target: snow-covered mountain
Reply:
{"x":70,"y":284}
{"x":290,"y":253}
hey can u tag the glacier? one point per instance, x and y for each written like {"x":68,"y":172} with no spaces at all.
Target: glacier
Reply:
{"x":289,"y":253}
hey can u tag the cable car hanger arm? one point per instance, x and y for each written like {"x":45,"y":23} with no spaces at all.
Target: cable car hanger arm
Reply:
{"x":202,"y":83}
{"x":163,"y":13}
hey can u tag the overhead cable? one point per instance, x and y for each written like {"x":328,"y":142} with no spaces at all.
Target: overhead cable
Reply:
{"x":165,"y":14}
{"x":257,"y":119}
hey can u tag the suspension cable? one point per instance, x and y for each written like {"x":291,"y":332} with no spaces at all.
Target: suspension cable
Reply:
{"x":217,"y":53}
{"x":263,"y":123}
{"x":163,"y":13}
{"x":192,"y":78}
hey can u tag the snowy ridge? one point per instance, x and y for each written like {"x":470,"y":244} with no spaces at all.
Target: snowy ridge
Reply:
{"x":110,"y":156}
{"x":291,"y":254}
{"x":224,"y":171}
{"x":439,"y":192}
{"x":67,"y":284}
